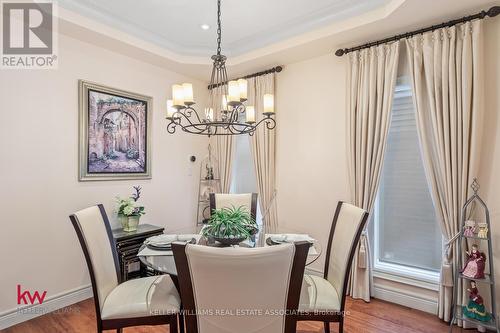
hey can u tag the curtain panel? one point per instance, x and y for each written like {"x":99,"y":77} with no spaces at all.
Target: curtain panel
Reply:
{"x":447,"y":78}
{"x":223,"y":146}
{"x":371,"y":81}
{"x":263,"y":145}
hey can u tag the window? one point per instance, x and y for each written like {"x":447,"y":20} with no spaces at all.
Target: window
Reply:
{"x":243,"y":178}
{"x":407,"y":235}
{"x":243,"y":174}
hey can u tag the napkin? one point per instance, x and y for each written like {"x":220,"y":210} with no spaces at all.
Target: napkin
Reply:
{"x":290,"y":238}
{"x":164,"y":239}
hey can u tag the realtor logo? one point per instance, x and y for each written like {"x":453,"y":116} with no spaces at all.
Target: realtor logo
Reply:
{"x":26,"y":297}
{"x":28,"y":34}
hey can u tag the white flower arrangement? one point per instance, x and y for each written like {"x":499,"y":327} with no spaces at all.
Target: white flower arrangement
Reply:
{"x":129,"y":205}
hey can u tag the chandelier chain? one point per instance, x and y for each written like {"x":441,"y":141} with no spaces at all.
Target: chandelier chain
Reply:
{"x":219,"y":29}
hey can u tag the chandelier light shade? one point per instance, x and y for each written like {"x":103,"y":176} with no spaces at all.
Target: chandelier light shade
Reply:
{"x":226,"y":113}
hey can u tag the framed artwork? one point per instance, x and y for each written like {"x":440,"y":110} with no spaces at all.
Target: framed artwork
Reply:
{"x":115,"y":133}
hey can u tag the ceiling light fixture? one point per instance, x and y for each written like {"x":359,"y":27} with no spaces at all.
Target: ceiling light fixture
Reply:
{"x":205,"y":26}
{"x":226,"y":103}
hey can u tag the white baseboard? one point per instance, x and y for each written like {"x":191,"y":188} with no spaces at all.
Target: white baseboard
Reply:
{"x":56,"y":302}
{"x":399,"y":296}
{"x":405,"y":298}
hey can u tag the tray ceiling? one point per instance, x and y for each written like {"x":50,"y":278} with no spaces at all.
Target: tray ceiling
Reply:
{"x":246,"y":25}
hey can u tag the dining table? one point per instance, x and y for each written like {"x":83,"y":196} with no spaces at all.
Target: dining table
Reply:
{"x":162,"y":261}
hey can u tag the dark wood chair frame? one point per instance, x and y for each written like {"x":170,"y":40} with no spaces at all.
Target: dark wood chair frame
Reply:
{"x":118,"y":324}
{"x":253,"y":209}
{"x":187,"y":294}
{"x":328,"y":318}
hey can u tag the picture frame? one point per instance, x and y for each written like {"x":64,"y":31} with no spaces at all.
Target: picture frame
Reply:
{"x":114,"y":133}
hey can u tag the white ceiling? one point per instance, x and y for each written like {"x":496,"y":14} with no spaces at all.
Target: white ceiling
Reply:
{"x":257,"y":34}
{"x":246,"y":25}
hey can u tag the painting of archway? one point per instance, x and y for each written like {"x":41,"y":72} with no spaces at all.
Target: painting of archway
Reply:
{"x":115,"y":125}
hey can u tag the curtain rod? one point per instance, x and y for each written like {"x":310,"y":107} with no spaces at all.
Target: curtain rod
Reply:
{"x":276,"y":69}
{"x":492,"y":12}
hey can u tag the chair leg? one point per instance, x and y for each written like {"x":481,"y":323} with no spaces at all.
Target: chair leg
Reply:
{"x":327,"y":327}
{"x":341,"y":325}
{"x":181,"y":323}
{"x":120,"y":330}
{"x":172,"y":328}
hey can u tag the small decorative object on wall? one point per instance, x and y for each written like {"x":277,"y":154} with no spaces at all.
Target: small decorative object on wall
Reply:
{"x":115,"y":133}
{"x":470,"y":228}
{"x":483,"y":230}
{"x":475,"y":307}
{"x":129,"y":212}
{"x":475,"y":264}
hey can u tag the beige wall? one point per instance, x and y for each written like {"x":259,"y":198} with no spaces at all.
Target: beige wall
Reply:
{"x":312,"y":167}
{"x":39,"y":166}
{"x":489,"y":177}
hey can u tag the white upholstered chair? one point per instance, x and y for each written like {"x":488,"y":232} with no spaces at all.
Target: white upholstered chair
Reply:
{"x":323,"y":298}
{"x":145,"y":301}
{"x":240,"y":289}
{"x":223,"y":200}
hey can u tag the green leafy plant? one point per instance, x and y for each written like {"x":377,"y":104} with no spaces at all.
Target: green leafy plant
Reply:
{"x":230,"y":223}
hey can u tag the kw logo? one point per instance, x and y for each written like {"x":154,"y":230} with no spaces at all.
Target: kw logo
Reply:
{"x":25,"y":297}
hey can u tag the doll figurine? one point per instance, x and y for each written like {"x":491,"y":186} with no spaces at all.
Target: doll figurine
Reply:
{"x":475,"y":264}
{"x":470,"y":228}
{"x":483,"y":230}
{"x":475,"y":307}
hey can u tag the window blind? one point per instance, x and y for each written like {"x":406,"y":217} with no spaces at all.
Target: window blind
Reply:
{"x":408,"y":232}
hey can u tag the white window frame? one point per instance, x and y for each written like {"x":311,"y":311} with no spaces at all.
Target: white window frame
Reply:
{"x":414,"y":276}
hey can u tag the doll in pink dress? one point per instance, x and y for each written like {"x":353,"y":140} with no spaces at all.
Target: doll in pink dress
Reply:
{"x":475,"y":264}
{"x":470,"y":228}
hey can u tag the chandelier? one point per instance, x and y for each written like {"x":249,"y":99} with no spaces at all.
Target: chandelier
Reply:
{"x":226,"y":114}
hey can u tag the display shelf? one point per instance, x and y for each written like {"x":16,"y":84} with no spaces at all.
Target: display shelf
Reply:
{"x":475,"y":203}
{"x":486,"y":279}
{"x":209,"y":183}
{"x":476,"y":238}
{"x":491,"y":325}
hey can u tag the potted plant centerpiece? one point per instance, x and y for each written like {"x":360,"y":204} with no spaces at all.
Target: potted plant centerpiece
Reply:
{"x":129,"y":212}
{"x":230,"y":226}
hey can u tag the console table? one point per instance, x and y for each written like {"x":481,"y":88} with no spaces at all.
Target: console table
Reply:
{"x":127,"y":246}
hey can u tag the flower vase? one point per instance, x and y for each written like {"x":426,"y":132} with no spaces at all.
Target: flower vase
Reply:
{"x":132,"y":223}
{"x":123,"y":220}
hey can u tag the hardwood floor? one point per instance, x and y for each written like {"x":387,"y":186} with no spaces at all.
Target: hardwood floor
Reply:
{"x":377,"y":316}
